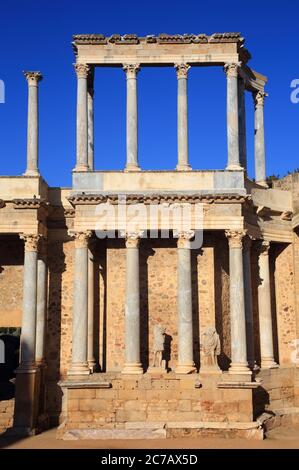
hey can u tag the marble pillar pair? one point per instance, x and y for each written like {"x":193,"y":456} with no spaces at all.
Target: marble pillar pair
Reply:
{"x":29,"y":375}
{"x":241,"y":315}
{"x":132,"y":307}
{"x":236,"y":125}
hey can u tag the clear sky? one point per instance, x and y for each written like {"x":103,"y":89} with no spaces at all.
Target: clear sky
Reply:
{"x":36,"y":35}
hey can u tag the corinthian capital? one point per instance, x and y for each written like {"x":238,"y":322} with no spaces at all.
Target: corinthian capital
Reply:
{"x":259,"y":98}
{"x":33,"y":78}
{"x":182,"y":70}
{"x":235,"y":237}
{"x":232,"y":69}
{"x":81,"y":238}
{"x":264,"y":248}
{"x":82,"y":70}
{"x":131,"y":70}
{"x":184,"y":237}
{"x":132,"y":238}
{"x":30,"y":241}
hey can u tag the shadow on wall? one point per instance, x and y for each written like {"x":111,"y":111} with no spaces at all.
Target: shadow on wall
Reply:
{"x":221,"y":280}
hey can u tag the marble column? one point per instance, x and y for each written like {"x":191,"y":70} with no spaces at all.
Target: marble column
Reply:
{"x":82,"y":71}
{"x":247,"y":243}
{"x":132,"y":117}
{"x":132,"y":307}
{"x":264,"y":304}
{"x":28,"y":334}
{"x":259,"y":138}
{"x":41,"y":309}
{"x":79,"y":364}
{"x":33,"y":78}
{"x":90,"y":326}
{"x":242,"y":123}
{"x":184,"y":301}
{"x":182,"y":76}
{"x":231,"y":71}
{"x":27,"y":388}
{"x":239,"y":364}
{"x":90,"y":119}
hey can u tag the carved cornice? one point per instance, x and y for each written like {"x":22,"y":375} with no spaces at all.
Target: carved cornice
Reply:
{"x":30,"y":241}
{"x":259,"y":98}
{"x":81,"y":237}
{"x":132,"y":238}
{"x":33,"y":203}
{"x":131,"y":70}
{"x":82,"y":70}
{"x":184,"y":237}
{"x":162,"y":38}
{"x":232,"y":69}
{"x":94,"y":199}
{"x":33,"y":78}
{"x":235,"y":237}
{"x":182,"y":70}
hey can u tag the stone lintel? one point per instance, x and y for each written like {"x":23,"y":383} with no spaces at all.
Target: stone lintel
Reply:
{"x":238,"y":385}
{"x":69,"y":384}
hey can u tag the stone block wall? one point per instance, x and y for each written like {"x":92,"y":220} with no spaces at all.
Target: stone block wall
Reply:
{"x":156,"y":399}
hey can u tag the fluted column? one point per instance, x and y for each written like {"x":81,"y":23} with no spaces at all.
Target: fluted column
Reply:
{"x":231,"y":71}
{"x":242,"y":123}
{"x":259,"y":138}
{"x":247,"y":243}
{"x":184,"y":304}
{"x":90,"y":327}
{"x":90,"y":119}
{"x":132,"y":306}
{"x":28,"y":334}
{"x":264,"y":303}
{"x":82,"y":71}
{"x":132,"y":116}
{"x":41,"y":310}
{"x":239,"y":364}
{"x":182,"y":76}
{"x":33,"y":78}
{"x":79,"y":364}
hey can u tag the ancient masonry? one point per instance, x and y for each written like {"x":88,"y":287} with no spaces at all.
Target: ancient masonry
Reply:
{"x":148,"y":332}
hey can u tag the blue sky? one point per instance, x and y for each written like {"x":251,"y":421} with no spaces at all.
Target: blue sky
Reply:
{"x":36,"y":35}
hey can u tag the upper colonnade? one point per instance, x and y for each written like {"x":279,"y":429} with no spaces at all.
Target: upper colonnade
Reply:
{"x":182,"y":52}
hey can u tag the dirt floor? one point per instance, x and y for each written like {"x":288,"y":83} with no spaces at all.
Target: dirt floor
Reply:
{"x":281,"y":438}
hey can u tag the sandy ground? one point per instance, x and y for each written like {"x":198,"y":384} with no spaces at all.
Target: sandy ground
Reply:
{"x":282,"y":438}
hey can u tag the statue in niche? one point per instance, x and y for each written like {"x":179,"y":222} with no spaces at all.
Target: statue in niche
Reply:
{"x":159,"y":339}
{"x":210,"y":348}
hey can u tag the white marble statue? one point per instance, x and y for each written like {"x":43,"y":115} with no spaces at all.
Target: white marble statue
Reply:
{"x":159,"y":338}
{"x":210,"y":347}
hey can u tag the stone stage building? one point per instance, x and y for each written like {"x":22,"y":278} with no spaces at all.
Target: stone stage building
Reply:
{"x":150,"y":332}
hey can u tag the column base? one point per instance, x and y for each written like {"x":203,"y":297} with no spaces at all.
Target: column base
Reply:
{"x":92,"y":365}
{"x":132,"y":368}
{"x":262,"y":183}
{"x":268,"y":363}
{"x":237,"y":368}
{"x":31,"y":173}
{"x":26,"y":399}
{"x":79,"y":369}
{"x":81,"y":168}
{"x":186,"y":167}
{"x":132,"y":167}
{"x":234,"y":166}
{"x":185,"y":369}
